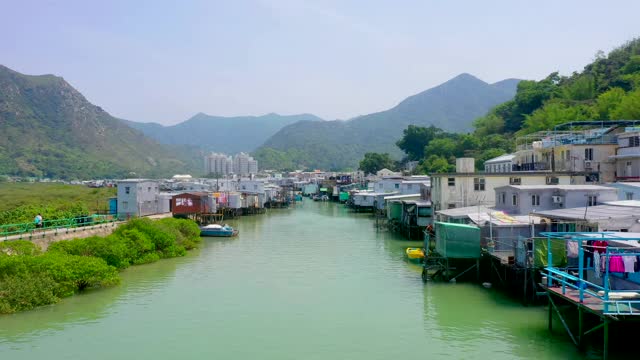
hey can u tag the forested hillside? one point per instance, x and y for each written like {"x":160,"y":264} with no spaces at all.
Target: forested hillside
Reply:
{"x":222,"y":134}
{"x":341,"y":144}
{"x":48,"y":129}
{"x":606,"y":89}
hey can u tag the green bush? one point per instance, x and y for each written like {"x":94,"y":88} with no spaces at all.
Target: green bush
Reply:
{"x":18,"y":247}
{"x":26,"y":291}
{"x":29,"y":279}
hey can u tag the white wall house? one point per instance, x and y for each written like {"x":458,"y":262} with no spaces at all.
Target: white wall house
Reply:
{"x":502,"y":163}
{"x":137,"y":197}
{"x":627,"y":156}
{"x":525,"y":199}
{"x":468,"y":188}
{"x":388,"y":184}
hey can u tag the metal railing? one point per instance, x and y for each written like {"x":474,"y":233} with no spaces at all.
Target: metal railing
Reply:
{"x":610,"y":304}
{"x":56,"y":224}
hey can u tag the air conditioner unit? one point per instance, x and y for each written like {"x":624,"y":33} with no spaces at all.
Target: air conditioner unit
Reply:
{"x":587,"y":164}
{"x":557,"y":199}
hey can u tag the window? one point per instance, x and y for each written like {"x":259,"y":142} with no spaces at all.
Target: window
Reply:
{"x":515,"y":181}
{"x":127,"y":190}
{"x":568,"y":154}
{"x":535,"y":200}
{"x":514,"y":199}
{"x":125,"y":205}
{"x":628,"y":196}
{"x":634,"y":141}
{"x":397,"y":186}
{"x":552,"y":180}
{"x":149,"y":189}
{"x":451,"y":181}
{"x":451,"y":206}
{"x":424,"y":211}
{"x":503,"y":197}
{"x":588,"y":154}
{"x":592,"y":200}
{"x":478,"y":184}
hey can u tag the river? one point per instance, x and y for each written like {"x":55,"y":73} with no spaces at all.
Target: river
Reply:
{"x":314,"y":282}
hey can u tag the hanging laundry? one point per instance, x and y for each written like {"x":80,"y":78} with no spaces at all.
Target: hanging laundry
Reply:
{"x":596,"y":265}
{"x":600,"y":246}
{"x":572,"y":249}
{"x":630,"y":262}
{"x":616,"y":265}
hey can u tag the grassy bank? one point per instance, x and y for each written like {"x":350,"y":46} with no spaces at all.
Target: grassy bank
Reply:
{"x":29,"y":278}
{"x":20,"y":202}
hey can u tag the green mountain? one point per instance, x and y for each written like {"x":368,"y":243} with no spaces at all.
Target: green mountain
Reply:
{"x":606,"y":89}
{"x":452,"y":106}
{"x":48,"y":129}
{"x":223,"y":134}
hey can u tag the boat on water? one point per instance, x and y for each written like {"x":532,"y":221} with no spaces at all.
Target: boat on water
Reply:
{"x":415,"y":254}
{"x":218,"y":230}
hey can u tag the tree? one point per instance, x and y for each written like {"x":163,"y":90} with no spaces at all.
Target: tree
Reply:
{"x":373,"y":162}
{"x":434,"y":164}
{"x":415,"y":138}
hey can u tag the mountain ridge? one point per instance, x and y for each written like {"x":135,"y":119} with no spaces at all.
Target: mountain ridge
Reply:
{"x":221,"y":133}
{"x":452,"y":106}
{"x":49,"y":129}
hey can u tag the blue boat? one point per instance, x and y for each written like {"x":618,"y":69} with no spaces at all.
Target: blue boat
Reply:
{"x":218,"y":230}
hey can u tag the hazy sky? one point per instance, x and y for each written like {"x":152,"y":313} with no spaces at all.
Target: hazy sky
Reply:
{"x":164,"y":61}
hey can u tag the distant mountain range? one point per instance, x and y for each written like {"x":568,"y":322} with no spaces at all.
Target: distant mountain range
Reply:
{"x":48,"y":129}
{"x":451,"y":106}
{"x":222,"y":134}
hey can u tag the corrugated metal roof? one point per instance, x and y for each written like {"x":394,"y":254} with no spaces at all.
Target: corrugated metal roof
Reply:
{"x":592,"y":213}
{"x":399,"y":197}
{"x":559,"y":187}
{"x":630,"y":203}
{"x":501,"y":158}
{"x":457,"y":212}
{"x":632,"y":184}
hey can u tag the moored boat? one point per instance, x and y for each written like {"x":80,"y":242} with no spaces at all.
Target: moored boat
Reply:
{"x":415,"y":253}
{"x":218,"y":230}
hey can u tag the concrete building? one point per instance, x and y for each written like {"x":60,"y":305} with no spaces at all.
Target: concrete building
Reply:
{"x":627,"y":156}
{"x":466,"y":187}
{"x":502,"y":163}
{"x":525,"y":199}
{"x":137,"y":197}
{"x":243,"y":165}
{"x":627,"y":190}
{"x":219,"y":164}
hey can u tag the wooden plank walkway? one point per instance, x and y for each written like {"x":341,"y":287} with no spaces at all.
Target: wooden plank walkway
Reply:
{"x":591,"y":303}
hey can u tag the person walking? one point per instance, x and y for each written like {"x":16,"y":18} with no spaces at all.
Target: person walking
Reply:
{"x":38,"y":221}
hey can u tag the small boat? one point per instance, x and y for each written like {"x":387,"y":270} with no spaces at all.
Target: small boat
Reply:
{"x":415,"y":253}
{"x":218,"y":230}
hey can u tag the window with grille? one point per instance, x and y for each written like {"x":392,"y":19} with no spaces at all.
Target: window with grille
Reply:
{"x":535,"y":200}
{"x":478,"y":184}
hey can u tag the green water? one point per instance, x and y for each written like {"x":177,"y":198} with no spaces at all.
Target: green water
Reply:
{"x":316,"y":282}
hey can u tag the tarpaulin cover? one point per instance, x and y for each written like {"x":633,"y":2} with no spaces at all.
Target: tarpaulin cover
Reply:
{"x":558,"y":252}
{"x":457,"y":240}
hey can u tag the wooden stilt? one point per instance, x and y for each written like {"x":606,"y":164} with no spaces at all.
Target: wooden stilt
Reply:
{"x":605,"y":347}
{"x":550,"y":314}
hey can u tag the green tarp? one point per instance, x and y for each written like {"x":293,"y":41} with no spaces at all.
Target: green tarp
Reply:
{"x":558,"y":252}
{"x":457,"y":240}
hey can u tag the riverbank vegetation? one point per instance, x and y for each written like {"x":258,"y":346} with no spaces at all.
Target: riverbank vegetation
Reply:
{"x":20,"y":202}
{"x":607,"y":89}
{"x":30,"y":278}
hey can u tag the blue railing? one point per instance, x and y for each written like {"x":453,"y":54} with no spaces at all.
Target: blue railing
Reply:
{"x":613,"y":302}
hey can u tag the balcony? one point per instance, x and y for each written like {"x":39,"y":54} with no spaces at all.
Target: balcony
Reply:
{"x":531,"y":166}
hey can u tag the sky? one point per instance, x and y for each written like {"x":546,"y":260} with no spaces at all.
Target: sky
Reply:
{"x":164,"y":61}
